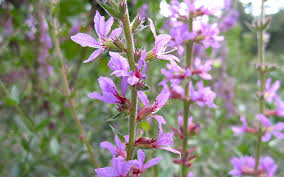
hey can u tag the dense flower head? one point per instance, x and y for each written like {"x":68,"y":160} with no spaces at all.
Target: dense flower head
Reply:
{"x":103,"y":29}
{"x":270,"y":129}
{"x":120,"y":168}
{"x":245,"y":166}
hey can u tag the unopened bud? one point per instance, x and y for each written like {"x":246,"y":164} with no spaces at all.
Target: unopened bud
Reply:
{"x":145,"y":142}
{"x":118,"y":43}
{"x":109,"y":45}
{"x":137,"y":24}
{"x":144,"y":113}
{"x":151,"y":56}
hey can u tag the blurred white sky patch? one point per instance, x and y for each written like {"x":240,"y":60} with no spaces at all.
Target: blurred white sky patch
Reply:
{"x":271,"y":6}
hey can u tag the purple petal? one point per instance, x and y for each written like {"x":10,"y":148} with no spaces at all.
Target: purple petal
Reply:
{"x":279,"y":135}
{"x":132,"y":80}
{"x":110,"y":98}
{"x":85,"y":40}
{"x":141,"y":158}
{"x":160,"y":42}
{"x":118,"y":143}
{"x":94,"y":55}
{"x":171,"y":150}
{"x":160,"y":121}
{"x":107,"y":145}
{"x":95,"y":95}
{"x":279,"y":126}
{"x":115,"y":33}
{"x":266,"y":137}
{"x":152,"y":162}
{"x":120,"y":73}
{"x":141,"y":61}
{"x":107,"y":85}
{"x":266,"y":122}
{"x":97,"y":22}
{"x":143,"y":98}
{"x":162,"y":99}
{"x":107,"y":26}
{"x":190,"y":174}
{"x":124,"y":85}
{"x":106,"y":172}
{"x":238,"y":130}
{"x":152,"y":27}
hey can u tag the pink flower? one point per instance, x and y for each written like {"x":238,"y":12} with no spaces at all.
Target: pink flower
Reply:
{"x":203,"y":96}
{"x":275,"y":130}
{"x":202,"y":69}
{"x":120,"y":168}
{"x":271,"y":90}
{"x":119,"y":150}
{"x":140,"y":167}
{"x":110,"y":93}
{"x":160,"y":45}
{"x":102,"y":28}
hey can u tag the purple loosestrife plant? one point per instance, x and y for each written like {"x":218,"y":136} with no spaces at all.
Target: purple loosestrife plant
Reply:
{"x":131,"y":71}
{"x":261,"y":166}
{"x":189,"y":31}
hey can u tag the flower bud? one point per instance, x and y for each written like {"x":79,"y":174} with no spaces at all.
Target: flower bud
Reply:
{"x":137,"y":24}
{"x":112,"y":9}
{"x":151,"y":56}
{"x":110,"y":45}
{"x":118,"y":43}
{"x":145,"y":142}
{"x":144,"y":113}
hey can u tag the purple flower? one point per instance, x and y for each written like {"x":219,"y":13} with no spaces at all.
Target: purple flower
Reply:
{"x":140,"y":167}
{"x":120,"y":168}
{"x":270,"y":90}
{"x":229,"y":21}
{"x":190,"y":174}
{"x":160,"y":45}
{"x":276,"y":130}
{"x":267,"y":164}
{"x":102,"y":28}
{"x":242,"y":165}
{"x":75,"y":28}
{"x":110,"y":92}
{"x":164,"y":141}
{"x":202,"y":70}
{"x":279,"y":107}
{"x":120,"y":68}
{"x":203,"y":96}
{"x":207,"y":35}
{"x":245,"y":166}
{"x":158,"y":103}
{"x":119,"y":150}
{"x":175,"y":74}
{"x":31,"y":23}
{"x":179,"y":35}
{"x":242,"y":129}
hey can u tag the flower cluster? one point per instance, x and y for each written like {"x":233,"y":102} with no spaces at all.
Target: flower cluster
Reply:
{"x":134,"y":78}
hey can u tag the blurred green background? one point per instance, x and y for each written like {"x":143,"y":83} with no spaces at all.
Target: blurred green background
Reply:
{"x":55,"y":149}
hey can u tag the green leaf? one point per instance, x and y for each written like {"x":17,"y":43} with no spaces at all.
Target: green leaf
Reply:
{"x":117,"y":116}
{"x":110,"y":10}
{"x":117,"y":133}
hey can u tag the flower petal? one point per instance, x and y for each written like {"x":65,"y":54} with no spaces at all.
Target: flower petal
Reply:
{"x":94,"y":55}
{"x":85,"y":40}
{"x":152,"y":27}
{"x":115,"y":33}
{"x":95,"y":95}
{"x":143,"y":98}
{"x":152,"y":162}
{"x":107,"y":145}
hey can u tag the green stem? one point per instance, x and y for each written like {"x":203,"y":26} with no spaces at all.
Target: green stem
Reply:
{"x":186,"y":103}
{"x":262,"y":86}
{"x":67,"y":90}
{"x":25,"y":118}
{"x":130,"y":55}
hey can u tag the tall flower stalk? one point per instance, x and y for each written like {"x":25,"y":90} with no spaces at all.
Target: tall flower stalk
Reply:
{"x":261,"y":57}
{"x":259,"y":165}
{"x":129,"y":65}
{"x":186,"y":104}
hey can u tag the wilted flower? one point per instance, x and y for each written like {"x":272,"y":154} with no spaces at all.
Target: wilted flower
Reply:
{"x":102,"y":28}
